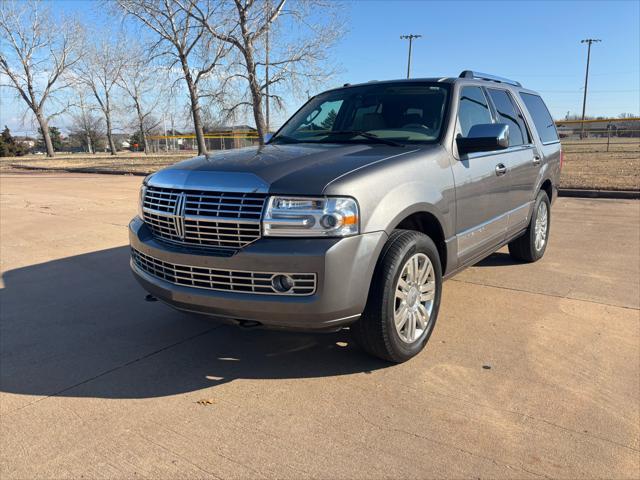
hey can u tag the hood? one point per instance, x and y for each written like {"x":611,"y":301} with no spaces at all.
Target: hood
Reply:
{"x":292,"y":169}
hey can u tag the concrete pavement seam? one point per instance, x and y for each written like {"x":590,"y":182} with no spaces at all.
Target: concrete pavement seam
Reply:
{"x":544,"y":294}
{"x":54,"y":214}
{"x":543,"y":420}
{"x":439,"y":442}
{"x":111,"y":370}
{"x":182,"y":457}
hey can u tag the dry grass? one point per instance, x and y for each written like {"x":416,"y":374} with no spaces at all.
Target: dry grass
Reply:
{"x":586,"y":166}
{"x":123,"y":163}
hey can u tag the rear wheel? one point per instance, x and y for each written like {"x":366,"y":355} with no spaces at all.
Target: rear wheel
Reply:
{"x":531,"y":246}
{"x":404,"y":299}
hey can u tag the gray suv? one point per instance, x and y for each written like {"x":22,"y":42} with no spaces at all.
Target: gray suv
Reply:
{"x":356,"y":210}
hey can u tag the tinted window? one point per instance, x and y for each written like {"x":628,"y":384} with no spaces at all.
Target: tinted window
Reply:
{"x":508,"y":113}
{"x":473,"y":109}
{"x":541,"y":117}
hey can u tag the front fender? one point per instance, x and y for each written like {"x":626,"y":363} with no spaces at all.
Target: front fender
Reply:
{"x":388,"y":192}
{"x":403,"y":201}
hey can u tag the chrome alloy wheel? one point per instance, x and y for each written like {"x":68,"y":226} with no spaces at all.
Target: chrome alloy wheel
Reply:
{"x":542,"y":221}
{"x":414,"y":298}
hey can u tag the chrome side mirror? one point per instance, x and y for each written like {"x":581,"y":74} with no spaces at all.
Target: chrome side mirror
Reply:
{"x":484,"y":137}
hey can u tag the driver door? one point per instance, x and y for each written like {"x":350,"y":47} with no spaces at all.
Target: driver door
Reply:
{"x":482,"y":183}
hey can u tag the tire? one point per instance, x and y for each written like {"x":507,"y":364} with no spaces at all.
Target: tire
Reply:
{"x":376,"y":330}
{"x":525,"y":248}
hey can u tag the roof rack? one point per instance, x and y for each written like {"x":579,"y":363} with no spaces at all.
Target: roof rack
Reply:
{"x":486,"y":76}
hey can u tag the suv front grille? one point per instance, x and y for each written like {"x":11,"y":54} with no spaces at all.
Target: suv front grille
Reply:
{"x":222,"y":280}
{"x":203,"y":218}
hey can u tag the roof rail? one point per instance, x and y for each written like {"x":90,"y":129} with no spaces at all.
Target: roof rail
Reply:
{"x":486,"y":76}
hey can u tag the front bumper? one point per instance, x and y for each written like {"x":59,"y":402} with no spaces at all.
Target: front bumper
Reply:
{"x":343,"y":267}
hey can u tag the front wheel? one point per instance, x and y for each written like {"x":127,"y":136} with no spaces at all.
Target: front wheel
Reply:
{"x":404,"y":298}
{"x":531,"y":246}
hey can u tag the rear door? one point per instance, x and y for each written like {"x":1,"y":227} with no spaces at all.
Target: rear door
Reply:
{"x":521,"y":158}
{"x":545,"y":135}
{"x":482,"y":189}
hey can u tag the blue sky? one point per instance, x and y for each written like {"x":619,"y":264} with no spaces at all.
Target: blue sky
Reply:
{"x":537,"y":43}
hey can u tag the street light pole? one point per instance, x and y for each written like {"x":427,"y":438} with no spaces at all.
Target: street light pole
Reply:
{"x":588,"y":41}
{"x":409,"y":37}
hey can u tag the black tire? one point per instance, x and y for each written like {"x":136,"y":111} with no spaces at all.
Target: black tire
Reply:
{"x":523,"y":248}
{"x":375,"y":332}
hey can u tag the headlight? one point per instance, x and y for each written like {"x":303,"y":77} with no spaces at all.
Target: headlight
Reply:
{"x":311,"y":217}
{"x":143,"y":190}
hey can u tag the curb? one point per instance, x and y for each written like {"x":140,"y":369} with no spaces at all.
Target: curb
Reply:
{"x":78,"y":170}
{"x":583,"y":193}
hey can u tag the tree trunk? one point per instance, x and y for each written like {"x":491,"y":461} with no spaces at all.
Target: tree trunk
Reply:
{"x":141,"y":126}
{"x":44,"y":128}
{"x":112,"y":145}
{"x":197,"y":124}
{"x":195,"y":108}
{"x":144,"y":141}
{"x":256,"y":94}
{"x":89,"y":145}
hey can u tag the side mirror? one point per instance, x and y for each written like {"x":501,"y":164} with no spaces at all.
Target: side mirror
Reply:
{"x":484,"y":137}
{"x":267,"y":137}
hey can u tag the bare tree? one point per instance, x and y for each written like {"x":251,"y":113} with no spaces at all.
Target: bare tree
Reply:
{"x":247,"y":27}
{"x":35,"y":53}
{"x":183,"y":41}
{"x":99,"y":70}
{"x":145,"y":89}
{"x":87,"y":128}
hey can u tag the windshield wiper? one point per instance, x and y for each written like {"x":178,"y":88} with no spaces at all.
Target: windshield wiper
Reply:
{"x":283,"y":139}
{"x":362,"y":133}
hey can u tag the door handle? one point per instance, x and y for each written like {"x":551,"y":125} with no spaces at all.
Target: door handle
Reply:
{"x":536,"y":159}
{"x":500,"y":169}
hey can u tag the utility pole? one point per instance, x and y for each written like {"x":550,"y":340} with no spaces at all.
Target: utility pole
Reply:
{"x":166,"y":140}
{"x":588,"y":41}
{"x":173,"y":134}
{"x":409,"y":37}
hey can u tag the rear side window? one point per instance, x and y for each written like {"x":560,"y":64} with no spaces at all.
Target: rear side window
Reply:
{"x":473,"y":109}
{"x":508,"y":113}
{"x":541,"y":117}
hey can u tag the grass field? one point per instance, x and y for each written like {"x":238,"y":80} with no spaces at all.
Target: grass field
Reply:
{"x":587,"y":164}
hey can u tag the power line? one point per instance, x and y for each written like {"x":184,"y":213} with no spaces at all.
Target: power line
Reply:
{"x":579,"y":90}
{"x":553,"y":75}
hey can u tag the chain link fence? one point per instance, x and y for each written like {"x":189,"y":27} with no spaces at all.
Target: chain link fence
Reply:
{"x":604,"y":155}
{"x":213,"y":142}
{"x":601,"y":135}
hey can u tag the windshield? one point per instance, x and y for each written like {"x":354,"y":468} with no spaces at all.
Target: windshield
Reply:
{"x":392,"y":113}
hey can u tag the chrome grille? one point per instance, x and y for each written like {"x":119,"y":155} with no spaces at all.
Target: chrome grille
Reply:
{"x":222,"y":280}
{"x":203,"y":218}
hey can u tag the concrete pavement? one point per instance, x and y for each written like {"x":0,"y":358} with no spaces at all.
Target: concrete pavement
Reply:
{"x":532,"y":371}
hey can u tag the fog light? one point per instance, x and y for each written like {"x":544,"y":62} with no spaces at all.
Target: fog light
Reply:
{"x":282,"y":283}
{"x":330,"y":221}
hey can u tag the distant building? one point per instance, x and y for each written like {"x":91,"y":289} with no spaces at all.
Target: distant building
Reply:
{"x":28,"y":142}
